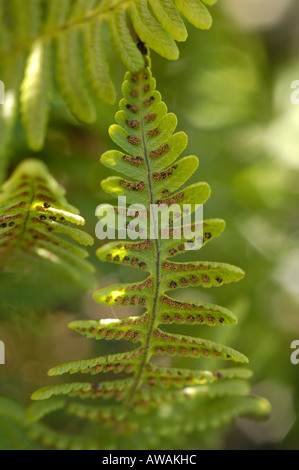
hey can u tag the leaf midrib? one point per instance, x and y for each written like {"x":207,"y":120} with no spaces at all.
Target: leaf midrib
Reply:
{"x":144,"y":360}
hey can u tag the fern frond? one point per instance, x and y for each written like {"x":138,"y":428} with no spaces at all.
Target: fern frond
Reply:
{"x":145,"y":386}
{"x":14,"y":426}
{"x":75,"y":30}
{"x":198,"y":414}
{"x":46,"y":437}
{"x":20,"y":433}
{"x":33,"y":215}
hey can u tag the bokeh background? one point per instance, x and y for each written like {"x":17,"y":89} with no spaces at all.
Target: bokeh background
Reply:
{"x":231,"y":92}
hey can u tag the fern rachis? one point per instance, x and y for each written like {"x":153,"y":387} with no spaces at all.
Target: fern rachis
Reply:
{"x":145,"y":387}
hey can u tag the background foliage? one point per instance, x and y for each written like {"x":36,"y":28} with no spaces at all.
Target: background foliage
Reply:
{"x":231,"y":91}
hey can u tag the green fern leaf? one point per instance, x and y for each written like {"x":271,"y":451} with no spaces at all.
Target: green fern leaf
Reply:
{"x":76,"y":31}
{"x":145,"y":132}
{"x":37,"y":432}
{"x":14,"y":426}
{"x":20,"y":433}
{"x":33,"y":212}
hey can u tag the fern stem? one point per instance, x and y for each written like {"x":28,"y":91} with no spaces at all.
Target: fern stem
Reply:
{"x":145,"y":358}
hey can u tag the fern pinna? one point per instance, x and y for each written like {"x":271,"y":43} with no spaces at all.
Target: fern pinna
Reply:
{"x":149,"y":398}
{"x":78,"y":30}
{"x":36,"y":222}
